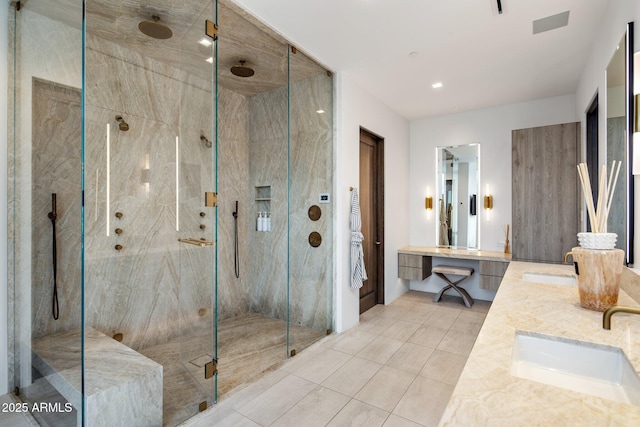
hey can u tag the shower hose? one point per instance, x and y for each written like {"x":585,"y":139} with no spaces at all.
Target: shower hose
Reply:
{"x":55,"y":309}
{"x":236,"y":254}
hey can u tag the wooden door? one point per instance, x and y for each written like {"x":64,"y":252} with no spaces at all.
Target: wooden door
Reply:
{"x":371,"y":209}
{"x":545,"y":192}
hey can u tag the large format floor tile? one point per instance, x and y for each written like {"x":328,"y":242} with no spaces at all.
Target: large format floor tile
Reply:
{"x":397,"y":368}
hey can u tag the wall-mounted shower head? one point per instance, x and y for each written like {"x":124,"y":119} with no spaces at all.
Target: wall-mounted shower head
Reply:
{"x":206,"y":141}
{"x":155,"y":29}
{"x":122,"y":125}
{"x":241,"y":70}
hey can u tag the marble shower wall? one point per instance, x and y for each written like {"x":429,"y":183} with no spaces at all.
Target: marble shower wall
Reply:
{"x":56,"y":150}
{"x":311,"y":172}
{"x":156,"y":288}
{"x":311,"y":163}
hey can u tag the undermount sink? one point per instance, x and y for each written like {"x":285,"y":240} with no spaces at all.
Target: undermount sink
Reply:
{"x":594,"y":369}
{"x":551,"y":279}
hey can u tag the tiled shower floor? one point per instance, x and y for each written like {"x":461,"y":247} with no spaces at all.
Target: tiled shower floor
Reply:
{"x":249,"y":346}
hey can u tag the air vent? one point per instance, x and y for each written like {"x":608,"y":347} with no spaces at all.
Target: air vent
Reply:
{"x":551,"y":22}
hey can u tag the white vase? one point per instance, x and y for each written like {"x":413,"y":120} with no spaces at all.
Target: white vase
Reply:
{"x":597,"y":240}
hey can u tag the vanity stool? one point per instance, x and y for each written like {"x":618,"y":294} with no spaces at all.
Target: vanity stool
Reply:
{"x":441,"y":270}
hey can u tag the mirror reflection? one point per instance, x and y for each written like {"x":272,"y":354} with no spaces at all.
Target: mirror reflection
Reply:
{"x":617,"y":141}
{"x":458,"y":181}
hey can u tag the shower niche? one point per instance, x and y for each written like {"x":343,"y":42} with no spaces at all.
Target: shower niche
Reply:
{"x":263,"y":208}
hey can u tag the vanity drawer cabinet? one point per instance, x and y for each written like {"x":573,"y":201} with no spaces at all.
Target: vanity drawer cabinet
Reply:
{"x":491,"y":273}
{"x":414,"y":267}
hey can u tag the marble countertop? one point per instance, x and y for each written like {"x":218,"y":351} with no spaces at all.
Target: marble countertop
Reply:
{"x":455,"y":253}
{"x":487,"y":393}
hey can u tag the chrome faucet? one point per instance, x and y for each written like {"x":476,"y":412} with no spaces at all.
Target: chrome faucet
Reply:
{"x":606,"y":317}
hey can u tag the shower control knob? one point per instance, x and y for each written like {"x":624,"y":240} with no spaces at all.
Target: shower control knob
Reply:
{"x":118,"y":231}
{"x":119,"y":215}
{"x":202,"y":214}
{"x":202,"y":226}
{"x":119,"y":247}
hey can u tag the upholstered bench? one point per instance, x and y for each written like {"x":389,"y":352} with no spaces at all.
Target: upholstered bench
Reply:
{"x":441,"y":270}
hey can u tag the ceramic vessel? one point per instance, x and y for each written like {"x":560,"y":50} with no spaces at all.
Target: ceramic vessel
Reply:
{"x":598,"y":274}
{"x":597,"y":240}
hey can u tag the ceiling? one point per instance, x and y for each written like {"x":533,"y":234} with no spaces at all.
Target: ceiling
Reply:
{"x":482,"y":58}
{"x":241,"y":37}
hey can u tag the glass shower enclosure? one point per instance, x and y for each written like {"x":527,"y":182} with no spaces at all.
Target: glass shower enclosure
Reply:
{"x":171,"y":223}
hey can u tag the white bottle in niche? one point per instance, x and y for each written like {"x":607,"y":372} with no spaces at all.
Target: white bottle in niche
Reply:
{"x":268,"y":222}
{"x":259,"y":222}
{"x":263,"y":221}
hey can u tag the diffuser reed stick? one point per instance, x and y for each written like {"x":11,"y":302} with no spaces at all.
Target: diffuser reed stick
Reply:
{"x":507,"y":248}
{"x":599,"y":214}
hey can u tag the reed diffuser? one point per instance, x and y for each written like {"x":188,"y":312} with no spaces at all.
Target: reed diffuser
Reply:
{"x":507,"y":247}
{"x":598,"y":265}
{"x":598,"y":213}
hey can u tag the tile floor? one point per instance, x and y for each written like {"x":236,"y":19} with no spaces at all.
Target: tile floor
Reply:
{"x":8,"y":417}
{"x":398,"y":367}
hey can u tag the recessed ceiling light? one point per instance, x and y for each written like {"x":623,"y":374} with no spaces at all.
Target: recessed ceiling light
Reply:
{"x":210,"y":60}
{"x":205,"y":42}
{"x":437,"y":85}
{"x":320,"y":111}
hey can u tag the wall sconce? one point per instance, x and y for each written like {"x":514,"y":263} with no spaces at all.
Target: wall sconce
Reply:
{"x":428,"y":203}
{"x":488,"y":202}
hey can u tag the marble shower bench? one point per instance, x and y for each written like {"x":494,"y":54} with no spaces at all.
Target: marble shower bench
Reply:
{"x":122,"y":387}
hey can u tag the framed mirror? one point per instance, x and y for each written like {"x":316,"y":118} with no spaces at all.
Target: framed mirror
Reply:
{"x":618,"y":143}
{"x":458,"y":182}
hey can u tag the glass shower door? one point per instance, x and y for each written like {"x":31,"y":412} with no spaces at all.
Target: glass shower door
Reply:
{"x":194,"y":379}
{"x":45,"y":277}
{"x":150,"y":263}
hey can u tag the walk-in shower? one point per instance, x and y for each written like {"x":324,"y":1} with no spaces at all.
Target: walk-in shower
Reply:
{"x":162,"y":159}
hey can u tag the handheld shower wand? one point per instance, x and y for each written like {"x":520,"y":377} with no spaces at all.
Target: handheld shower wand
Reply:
{"x":236,"y":252}
{"x":53,"y":215}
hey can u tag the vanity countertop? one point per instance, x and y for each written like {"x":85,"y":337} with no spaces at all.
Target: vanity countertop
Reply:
{"x":455,"y":253}
{"x":487,"y":393}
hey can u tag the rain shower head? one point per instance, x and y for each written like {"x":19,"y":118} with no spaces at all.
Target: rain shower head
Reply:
{"x":122,"y":125}
{"x":155,"y":29}
{"x":241,"y":70}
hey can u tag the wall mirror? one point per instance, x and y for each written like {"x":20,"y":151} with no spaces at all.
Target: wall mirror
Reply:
{"x":458,"y":181}
{"x":618,"y":144}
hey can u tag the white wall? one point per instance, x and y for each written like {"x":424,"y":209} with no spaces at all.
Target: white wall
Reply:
{"x":491,"y":127}
{"x":614,"y":22}
{"x":356,"y":108}
{"x":4,"y":40}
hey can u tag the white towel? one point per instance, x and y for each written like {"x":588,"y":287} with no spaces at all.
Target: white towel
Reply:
{"x":358,"y":272}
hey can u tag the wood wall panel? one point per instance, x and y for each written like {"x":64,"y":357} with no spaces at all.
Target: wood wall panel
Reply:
{"x":545,"y":207}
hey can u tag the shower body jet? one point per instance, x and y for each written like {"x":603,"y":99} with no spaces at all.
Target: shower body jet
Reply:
{"x":122,"y":125}
{"x":207,"y":143}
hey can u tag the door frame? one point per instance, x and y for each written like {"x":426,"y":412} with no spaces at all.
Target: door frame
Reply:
{"x":379,"y":204}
